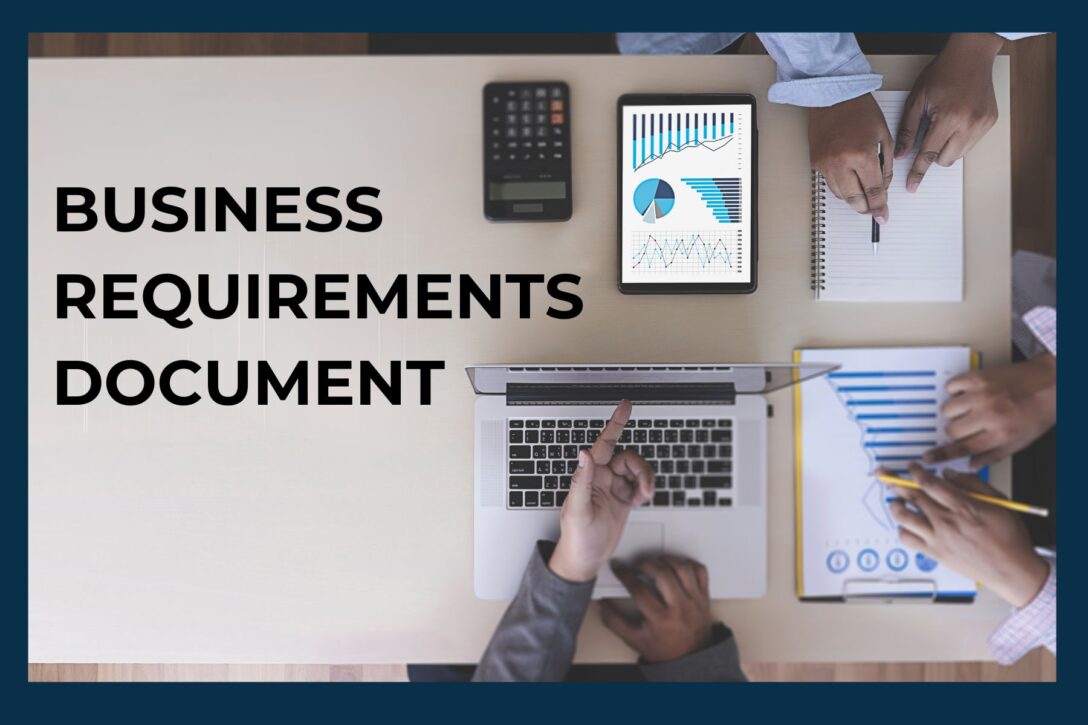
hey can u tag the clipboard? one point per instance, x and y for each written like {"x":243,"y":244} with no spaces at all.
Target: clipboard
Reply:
{"x":864,"y":584}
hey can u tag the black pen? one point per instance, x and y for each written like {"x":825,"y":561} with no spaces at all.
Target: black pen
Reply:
{"x":876,"y":227}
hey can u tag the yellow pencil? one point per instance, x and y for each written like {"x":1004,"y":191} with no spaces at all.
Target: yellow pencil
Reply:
{"x":1002,"y":502}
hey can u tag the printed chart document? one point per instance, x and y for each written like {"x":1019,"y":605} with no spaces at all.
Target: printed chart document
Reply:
{"x":920,"y":257}
{"x":880,"y":409}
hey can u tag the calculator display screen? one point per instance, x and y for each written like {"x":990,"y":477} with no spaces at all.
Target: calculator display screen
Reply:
{"x":686,"y":197}
{"x":526,"y":190}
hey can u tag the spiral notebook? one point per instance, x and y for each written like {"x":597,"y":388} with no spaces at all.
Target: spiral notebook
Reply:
{"x":920,"y":258}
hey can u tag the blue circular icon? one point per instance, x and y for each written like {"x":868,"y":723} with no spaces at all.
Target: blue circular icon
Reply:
{"x":897,"y":560}
{"x":654,"y":199}
{"x":837,"y":561}
{"x":868,"y":559}
{"x":924,"y":563}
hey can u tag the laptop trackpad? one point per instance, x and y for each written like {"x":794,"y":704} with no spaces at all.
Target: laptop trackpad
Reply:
{"x":639,"y":541}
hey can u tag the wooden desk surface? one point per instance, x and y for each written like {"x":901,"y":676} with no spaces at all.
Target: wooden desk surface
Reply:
{"x":343,"y":535}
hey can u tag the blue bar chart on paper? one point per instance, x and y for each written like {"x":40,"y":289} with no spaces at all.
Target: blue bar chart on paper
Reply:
{"x":882,"y":409}
{"x":896,"y":413}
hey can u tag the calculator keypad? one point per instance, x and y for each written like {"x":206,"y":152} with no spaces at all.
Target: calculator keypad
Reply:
{"x":527,"y":126}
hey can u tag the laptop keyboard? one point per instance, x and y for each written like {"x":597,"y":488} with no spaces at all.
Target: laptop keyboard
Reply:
{"x":692,"y":459}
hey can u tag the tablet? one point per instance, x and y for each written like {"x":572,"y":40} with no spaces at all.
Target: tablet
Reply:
{"x":687,"y":201}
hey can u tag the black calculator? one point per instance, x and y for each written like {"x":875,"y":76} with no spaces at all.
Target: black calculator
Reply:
{"x":527,"y":151}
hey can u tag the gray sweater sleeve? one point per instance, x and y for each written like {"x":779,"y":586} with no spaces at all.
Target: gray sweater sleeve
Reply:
{"x":719,"y":661}
{"x":535,"y":637}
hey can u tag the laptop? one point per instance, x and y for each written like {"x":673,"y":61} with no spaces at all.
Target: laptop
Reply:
{"x":702,"y":427}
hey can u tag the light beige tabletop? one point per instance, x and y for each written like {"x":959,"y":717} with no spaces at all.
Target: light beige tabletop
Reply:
{"x":312,"y":534}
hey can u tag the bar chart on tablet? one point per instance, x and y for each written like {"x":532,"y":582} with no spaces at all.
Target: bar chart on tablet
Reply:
{"x":653,"y":135}
{"x":722,"y":197}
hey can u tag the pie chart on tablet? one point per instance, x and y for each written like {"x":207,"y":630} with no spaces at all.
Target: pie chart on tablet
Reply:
{"x":654,"y":199}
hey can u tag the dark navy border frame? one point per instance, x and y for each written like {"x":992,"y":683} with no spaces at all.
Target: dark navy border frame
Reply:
{"x":615,"y":702}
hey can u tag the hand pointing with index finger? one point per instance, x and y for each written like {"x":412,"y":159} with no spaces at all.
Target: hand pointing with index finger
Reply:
{"x":606,"y":442}
{"x":603,"y":491}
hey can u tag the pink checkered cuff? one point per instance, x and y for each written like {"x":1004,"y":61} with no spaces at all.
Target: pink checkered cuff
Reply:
{"x":1043,"y":323}
{"x":1035,"y":625}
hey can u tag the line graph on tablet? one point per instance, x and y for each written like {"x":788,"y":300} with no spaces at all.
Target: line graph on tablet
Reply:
{"x":705,"y":251}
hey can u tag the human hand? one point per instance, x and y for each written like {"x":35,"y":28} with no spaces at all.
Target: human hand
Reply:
{"x":997,"y":412}
{"x":981,"y":541}
{"x":842,"y":141}
{"x":674,"y":620}
{"x":603,"y":491}
{"x":956,"y":93}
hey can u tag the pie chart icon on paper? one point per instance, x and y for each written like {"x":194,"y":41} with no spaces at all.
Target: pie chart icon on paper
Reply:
{"x":654,"y":199}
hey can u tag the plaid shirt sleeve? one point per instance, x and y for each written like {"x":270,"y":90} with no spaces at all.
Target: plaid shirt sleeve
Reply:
{"x":1035,"y":625}
{"x":1043,"y":323}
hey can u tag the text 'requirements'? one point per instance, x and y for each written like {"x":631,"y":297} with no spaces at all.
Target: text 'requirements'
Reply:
{"x":175,"y":300}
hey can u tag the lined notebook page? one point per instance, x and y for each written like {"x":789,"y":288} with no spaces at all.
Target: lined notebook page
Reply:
{"x":921,"y":247}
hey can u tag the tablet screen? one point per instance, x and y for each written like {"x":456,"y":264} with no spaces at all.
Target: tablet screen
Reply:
{"x":686,"y":196}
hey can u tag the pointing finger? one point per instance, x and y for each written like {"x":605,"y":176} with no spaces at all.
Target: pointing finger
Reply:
{"x":606,"y":441}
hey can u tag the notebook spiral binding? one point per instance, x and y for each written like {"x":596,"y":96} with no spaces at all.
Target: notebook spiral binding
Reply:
{"x":819,"y":211}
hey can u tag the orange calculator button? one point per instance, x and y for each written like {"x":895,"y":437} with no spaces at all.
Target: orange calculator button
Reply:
{"x":557,"y":118}
{"x":557,"y":105}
